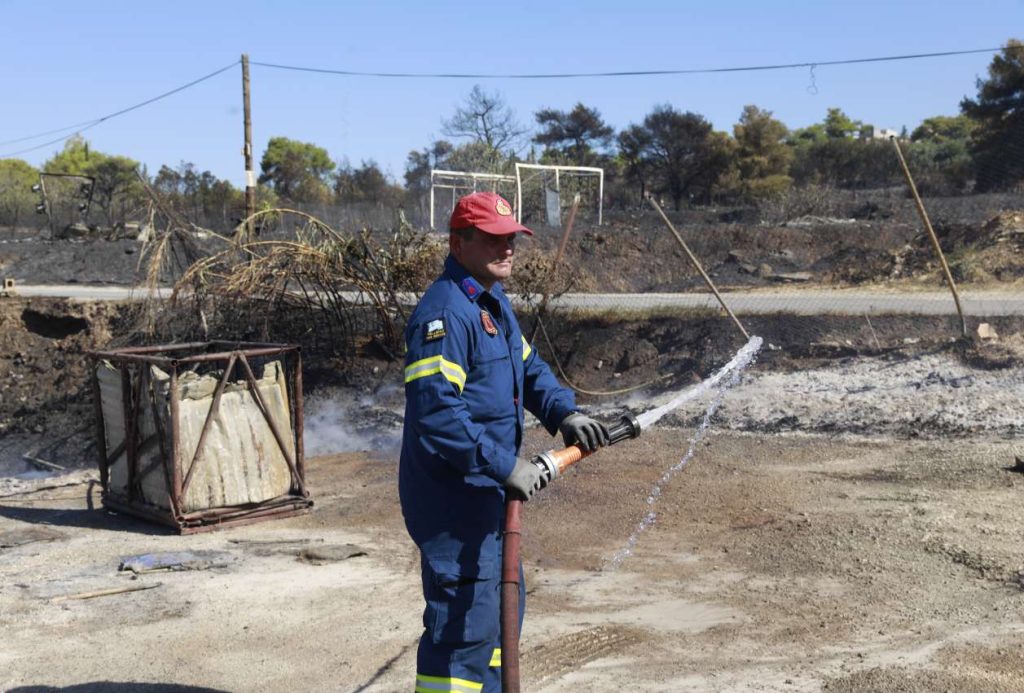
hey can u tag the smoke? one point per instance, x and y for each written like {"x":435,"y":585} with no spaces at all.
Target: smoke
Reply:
{"x":337,"y":420}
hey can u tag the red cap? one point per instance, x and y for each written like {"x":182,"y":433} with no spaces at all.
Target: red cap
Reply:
{"x":487,"y":211}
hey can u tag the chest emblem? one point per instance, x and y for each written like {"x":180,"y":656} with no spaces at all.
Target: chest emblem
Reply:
{"x":488,"y":323}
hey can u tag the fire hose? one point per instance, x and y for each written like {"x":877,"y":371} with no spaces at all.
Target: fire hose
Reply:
{"x":552,"y":464}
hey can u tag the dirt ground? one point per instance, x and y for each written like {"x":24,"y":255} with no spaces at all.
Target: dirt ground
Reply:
{"x":782,"y":562}
{"x":789,"y":554}
{"x":849,"y":522}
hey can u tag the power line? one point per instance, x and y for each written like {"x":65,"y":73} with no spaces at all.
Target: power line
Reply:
{"x":86,"y":125}
{"x":627,"y":73}
{"x":93,"y":123}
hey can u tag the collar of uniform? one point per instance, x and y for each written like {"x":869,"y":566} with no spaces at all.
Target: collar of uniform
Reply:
{"x":470,"y":287}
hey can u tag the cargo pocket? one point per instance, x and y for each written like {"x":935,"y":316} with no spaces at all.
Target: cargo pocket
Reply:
{"x":463,"y":604}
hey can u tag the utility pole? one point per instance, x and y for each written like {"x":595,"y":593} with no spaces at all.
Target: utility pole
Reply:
{"x":250,"y":175}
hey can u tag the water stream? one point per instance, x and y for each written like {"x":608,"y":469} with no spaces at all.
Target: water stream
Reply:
{"x":725,"y":378}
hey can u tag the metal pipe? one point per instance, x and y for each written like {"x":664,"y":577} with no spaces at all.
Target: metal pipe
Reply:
{"x":510,"y":554}
{"x":931,"y":234}
{"x":542,"y":308}
{"x":300,"y":446}
{"x":178,"y":502}
{"x":697,"y":265}
{"x":221,"y":355}
{"x":101,"y":428}
{"x":165,"y":454}
{"x":254,"y":388}
{"x":131,"y":458}
{"x":556,"y":462}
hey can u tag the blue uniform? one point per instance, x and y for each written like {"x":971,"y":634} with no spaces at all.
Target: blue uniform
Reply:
{"x":469,"y":374}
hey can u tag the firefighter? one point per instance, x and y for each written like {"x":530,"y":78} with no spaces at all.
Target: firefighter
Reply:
{"x":469,"y":375}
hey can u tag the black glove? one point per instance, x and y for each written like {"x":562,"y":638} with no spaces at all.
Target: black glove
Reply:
{"x":579,"y":428}
{"x":526,"y":479}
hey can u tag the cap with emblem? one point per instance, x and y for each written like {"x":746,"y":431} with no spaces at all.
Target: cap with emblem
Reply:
{"x":487,"y":211}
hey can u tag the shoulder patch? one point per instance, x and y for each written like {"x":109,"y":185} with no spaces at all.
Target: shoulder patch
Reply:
{"x":433,"y":330}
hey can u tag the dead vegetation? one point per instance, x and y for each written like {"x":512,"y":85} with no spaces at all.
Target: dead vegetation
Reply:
{"x":299,"y":280}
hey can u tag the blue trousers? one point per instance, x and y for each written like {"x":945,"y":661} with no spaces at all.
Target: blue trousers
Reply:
{"x":460,"y":649}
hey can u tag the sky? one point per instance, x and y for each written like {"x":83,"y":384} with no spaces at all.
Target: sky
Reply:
{"x":67,"y":63}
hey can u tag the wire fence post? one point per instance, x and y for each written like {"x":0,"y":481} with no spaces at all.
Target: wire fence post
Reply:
{"x":696,"y":263}
{"x":931,"y":234}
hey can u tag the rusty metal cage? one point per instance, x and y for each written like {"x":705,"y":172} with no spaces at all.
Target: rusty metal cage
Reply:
{"x":183,"y":444}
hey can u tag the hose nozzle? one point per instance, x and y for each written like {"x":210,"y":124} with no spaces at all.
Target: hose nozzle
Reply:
{"x":554,"y":462}
{"x":627,"y":429}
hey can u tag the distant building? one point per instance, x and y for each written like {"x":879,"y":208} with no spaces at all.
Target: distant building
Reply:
{"x":870,"y":132}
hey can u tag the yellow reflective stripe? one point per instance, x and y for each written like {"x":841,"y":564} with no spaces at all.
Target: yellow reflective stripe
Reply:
{"x":423,"y":367}
{"x":496,"y":657}
{"x":433,"y":684}
{"x":436,"y":364}
{"x":454,"y":373}
{"x":527,"y":350}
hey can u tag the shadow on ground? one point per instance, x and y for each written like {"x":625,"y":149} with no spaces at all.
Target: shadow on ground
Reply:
{"x":89,"y":519}
{"x":117,"y":687}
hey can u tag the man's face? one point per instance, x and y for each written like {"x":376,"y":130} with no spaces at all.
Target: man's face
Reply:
{"x":487,"y":257}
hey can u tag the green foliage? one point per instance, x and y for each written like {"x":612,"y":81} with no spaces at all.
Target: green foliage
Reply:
{"x":420,"y":163}
{"x":296,"y":171}
{"x":941,"y":129}
{"x":677,"y":154}
{"x":637,"y":167}
{"x":74,"y":158}
{"x":200,"y":197}
{"x":365,"y":184}
{"x":846,"y":163}
{"x":829,"y":154}
{"x":998,"y":112}
{"x":762,"y":156}
{"x":479,"y":157}
{"x":766,"y":187}
{"x":577,"y":137}
{"x":940,"y":167}
{"x":939,"y":154}
{"x":812,"y":134}
{"x":117,"y":190}
{"x":838,"y":125}
{"x":17,"y":201}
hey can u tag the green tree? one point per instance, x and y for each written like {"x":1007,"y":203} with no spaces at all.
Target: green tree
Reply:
{"x":939,"y":154}
{"x":485,"y":118}
{"x":17,"y":201}
{"x":296,"y":171}
{"x":838,"y":125}
{"x":117,"y":190}
{"x":940,"y":129}
{"x":830,"y":153}
{"x":682,"y":157}
{"x":75,"y":157}
{"x":634,"y":143}
{"x":201,"y":197}
{"x":365,"y":184}
{"x":762,"y":156}
{"x":479,"y":157}
{"x":419,"y":164}
{"x":998,"y":112}
{"x":578,"y":137}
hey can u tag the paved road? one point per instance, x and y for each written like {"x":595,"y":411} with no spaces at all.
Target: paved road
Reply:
{"x":816,"y":302}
